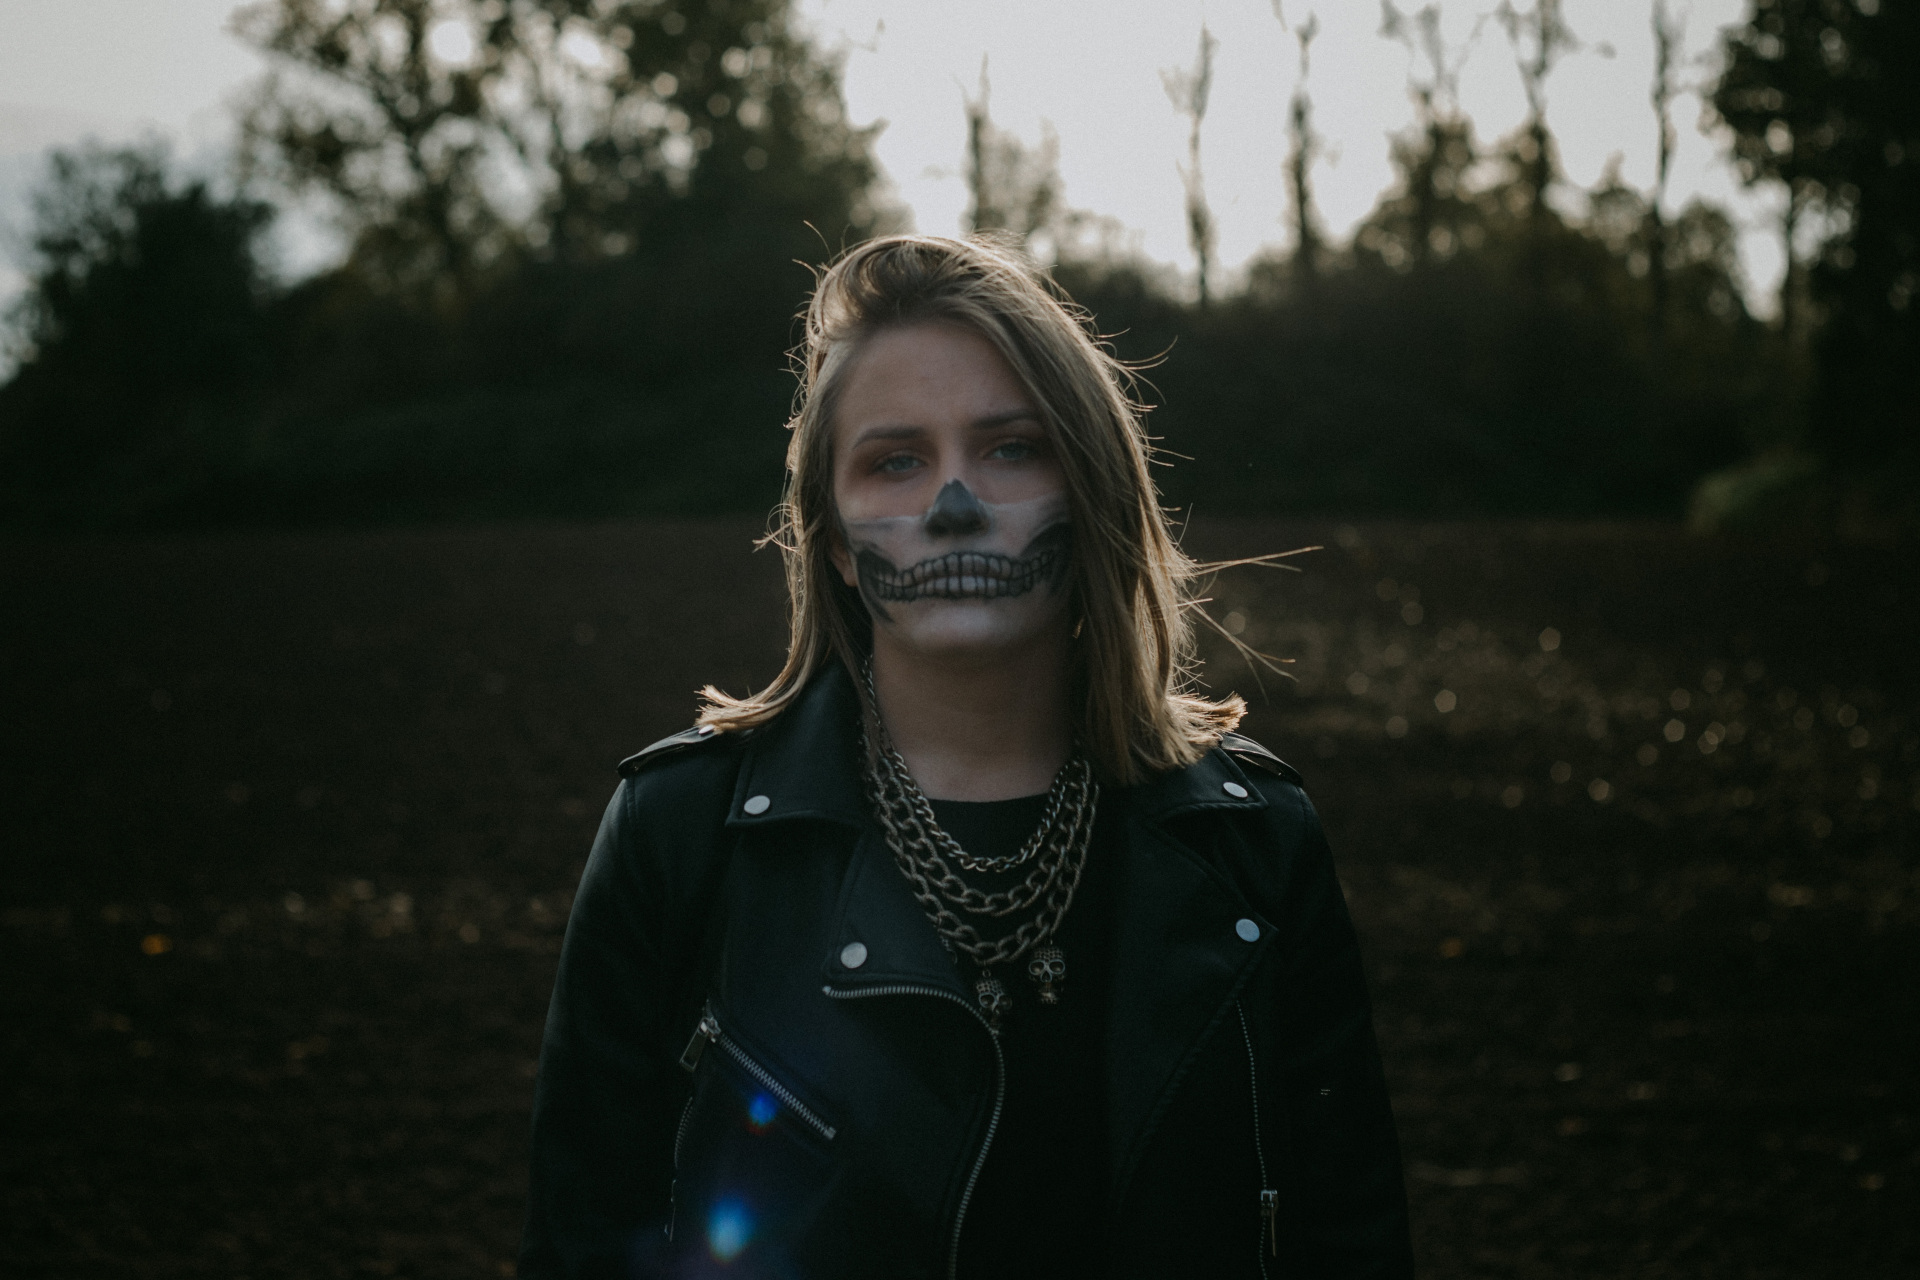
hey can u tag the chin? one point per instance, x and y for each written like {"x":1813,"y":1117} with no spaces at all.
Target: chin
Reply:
{"x":960,"y":629}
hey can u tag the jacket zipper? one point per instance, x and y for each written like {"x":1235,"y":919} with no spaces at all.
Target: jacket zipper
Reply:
{"x":999,"y":1094}
{"x":1269,"y":1198}
{"x":709,"y":1032}
{"x":673,"y":1188}
{"x":680,"y":1134}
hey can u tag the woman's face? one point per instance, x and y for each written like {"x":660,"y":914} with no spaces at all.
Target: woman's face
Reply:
{"x":951,"y":505}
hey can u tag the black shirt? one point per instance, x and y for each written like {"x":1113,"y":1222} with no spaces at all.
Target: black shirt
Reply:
{"x":1038,"y":1207}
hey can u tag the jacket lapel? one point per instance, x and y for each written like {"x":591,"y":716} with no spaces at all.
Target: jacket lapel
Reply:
{"x":806,"y":768}
{"x":806,"y":763}
{"x":896,"y":943}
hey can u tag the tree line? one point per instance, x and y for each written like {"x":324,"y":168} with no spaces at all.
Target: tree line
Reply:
{"x":577,"y":236}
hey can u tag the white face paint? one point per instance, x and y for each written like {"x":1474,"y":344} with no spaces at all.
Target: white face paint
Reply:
{"x":965,"y":574}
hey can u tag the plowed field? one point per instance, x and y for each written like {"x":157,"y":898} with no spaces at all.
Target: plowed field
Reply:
{"x":1630,"y":823}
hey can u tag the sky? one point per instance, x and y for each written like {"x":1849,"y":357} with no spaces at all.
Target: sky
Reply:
{"x":1088,"y":70}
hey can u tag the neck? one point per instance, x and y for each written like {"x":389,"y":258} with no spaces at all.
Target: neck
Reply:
{"x":977,"y":730}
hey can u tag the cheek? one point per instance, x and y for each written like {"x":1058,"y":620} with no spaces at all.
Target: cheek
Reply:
{"x":838,"y":555}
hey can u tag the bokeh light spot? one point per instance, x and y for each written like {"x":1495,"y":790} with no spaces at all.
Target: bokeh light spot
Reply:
{"x":729,"y":1229}
{"x":451,"y":42}
{"x":761,"y":1111}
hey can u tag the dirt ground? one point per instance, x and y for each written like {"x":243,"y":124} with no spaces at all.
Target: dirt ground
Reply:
{"x":1630,"y":823}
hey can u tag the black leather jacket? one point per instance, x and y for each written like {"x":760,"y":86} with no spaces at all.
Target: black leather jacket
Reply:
{"x":835,"y":1116}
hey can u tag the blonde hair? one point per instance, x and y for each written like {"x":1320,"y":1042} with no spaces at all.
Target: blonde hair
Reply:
{"x":1132,"y":676}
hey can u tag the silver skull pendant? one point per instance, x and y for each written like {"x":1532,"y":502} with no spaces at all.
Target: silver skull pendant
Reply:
{"x":1048,"y":969}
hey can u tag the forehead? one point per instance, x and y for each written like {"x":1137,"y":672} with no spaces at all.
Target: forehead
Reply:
{"x":924,"y":374}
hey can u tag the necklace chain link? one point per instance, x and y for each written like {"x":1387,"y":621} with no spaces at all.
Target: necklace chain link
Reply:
{"x":921,"y":849}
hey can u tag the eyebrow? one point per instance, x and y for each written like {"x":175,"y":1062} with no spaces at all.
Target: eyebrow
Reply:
{"x":888,"y":433}
{"x":1002,"y":419}
{"x":907,"y":431}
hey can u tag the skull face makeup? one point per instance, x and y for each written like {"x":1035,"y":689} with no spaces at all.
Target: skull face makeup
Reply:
{"x":964,"y":573}
{"x":950,"y":505}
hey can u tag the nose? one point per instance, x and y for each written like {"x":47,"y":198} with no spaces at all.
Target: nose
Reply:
{"x":956,"y":512}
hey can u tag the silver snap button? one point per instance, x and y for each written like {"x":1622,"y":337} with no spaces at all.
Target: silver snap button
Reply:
{"x":1234,"y":789}
{"x":757,"y":805}
{"x":705,"y":730}
{"x":1247,"y":929}
{"x":853,"y":955}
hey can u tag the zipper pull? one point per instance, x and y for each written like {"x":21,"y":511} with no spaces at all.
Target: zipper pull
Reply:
{"x":1270,"y":1214}
{"x":704,"y":1034}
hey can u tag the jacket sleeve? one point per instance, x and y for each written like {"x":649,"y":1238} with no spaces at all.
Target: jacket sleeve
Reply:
{"x":609,"y":1088}
{"x":1341,"y":1148}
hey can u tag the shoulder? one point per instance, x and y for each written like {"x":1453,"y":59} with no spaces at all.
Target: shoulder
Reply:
{"x":1251,"y":754}
{"x":1281,"y":847}
{"x":694,"y":768}
{"x":675,"y":744}
{"x":1288,"y":812}
{"x":671,"y":804}
{"x":660,"y":843}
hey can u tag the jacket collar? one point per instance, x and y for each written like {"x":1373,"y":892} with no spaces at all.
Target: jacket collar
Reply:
{"x":806,"y":765}
{"x":1215,"y":782}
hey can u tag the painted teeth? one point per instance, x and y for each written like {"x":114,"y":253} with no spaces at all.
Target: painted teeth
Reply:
{"x":965,"y":575}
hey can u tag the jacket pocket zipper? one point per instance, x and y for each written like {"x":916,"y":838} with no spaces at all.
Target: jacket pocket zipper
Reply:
{"x":708,"y":1032}
{"x":1269,"y":1198}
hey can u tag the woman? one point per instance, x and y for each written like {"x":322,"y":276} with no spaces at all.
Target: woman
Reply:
{"x":976,"y":944}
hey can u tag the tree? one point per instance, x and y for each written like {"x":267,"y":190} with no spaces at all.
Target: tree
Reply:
{"x":454,"y":134}
{"x":143,"y":316}
{"x":1669,"y":31}
{"x":1773,"y":96}
{"x":1011,"y":189}
{"x":1189,"y":91}
{"x":1303,"y":148}
{"x":612,"y":199}
{"x":1540,"y":38}
{"x":1821,"y":99}
{"x":376,"y":103}
{"x":1432,"y":214}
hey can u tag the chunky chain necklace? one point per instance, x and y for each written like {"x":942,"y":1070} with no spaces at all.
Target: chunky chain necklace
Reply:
{"x":1057,"y":849}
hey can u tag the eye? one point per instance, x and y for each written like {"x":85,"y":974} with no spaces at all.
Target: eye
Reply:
{"x":897,"y":462}
{"x":1016,"y":450}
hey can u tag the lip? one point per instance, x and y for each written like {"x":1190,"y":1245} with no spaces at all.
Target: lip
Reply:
{"x":960,"y":575}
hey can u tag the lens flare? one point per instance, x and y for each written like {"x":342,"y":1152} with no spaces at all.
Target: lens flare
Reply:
{"x":761,"y":1111}
{"x":729,"y":1229}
